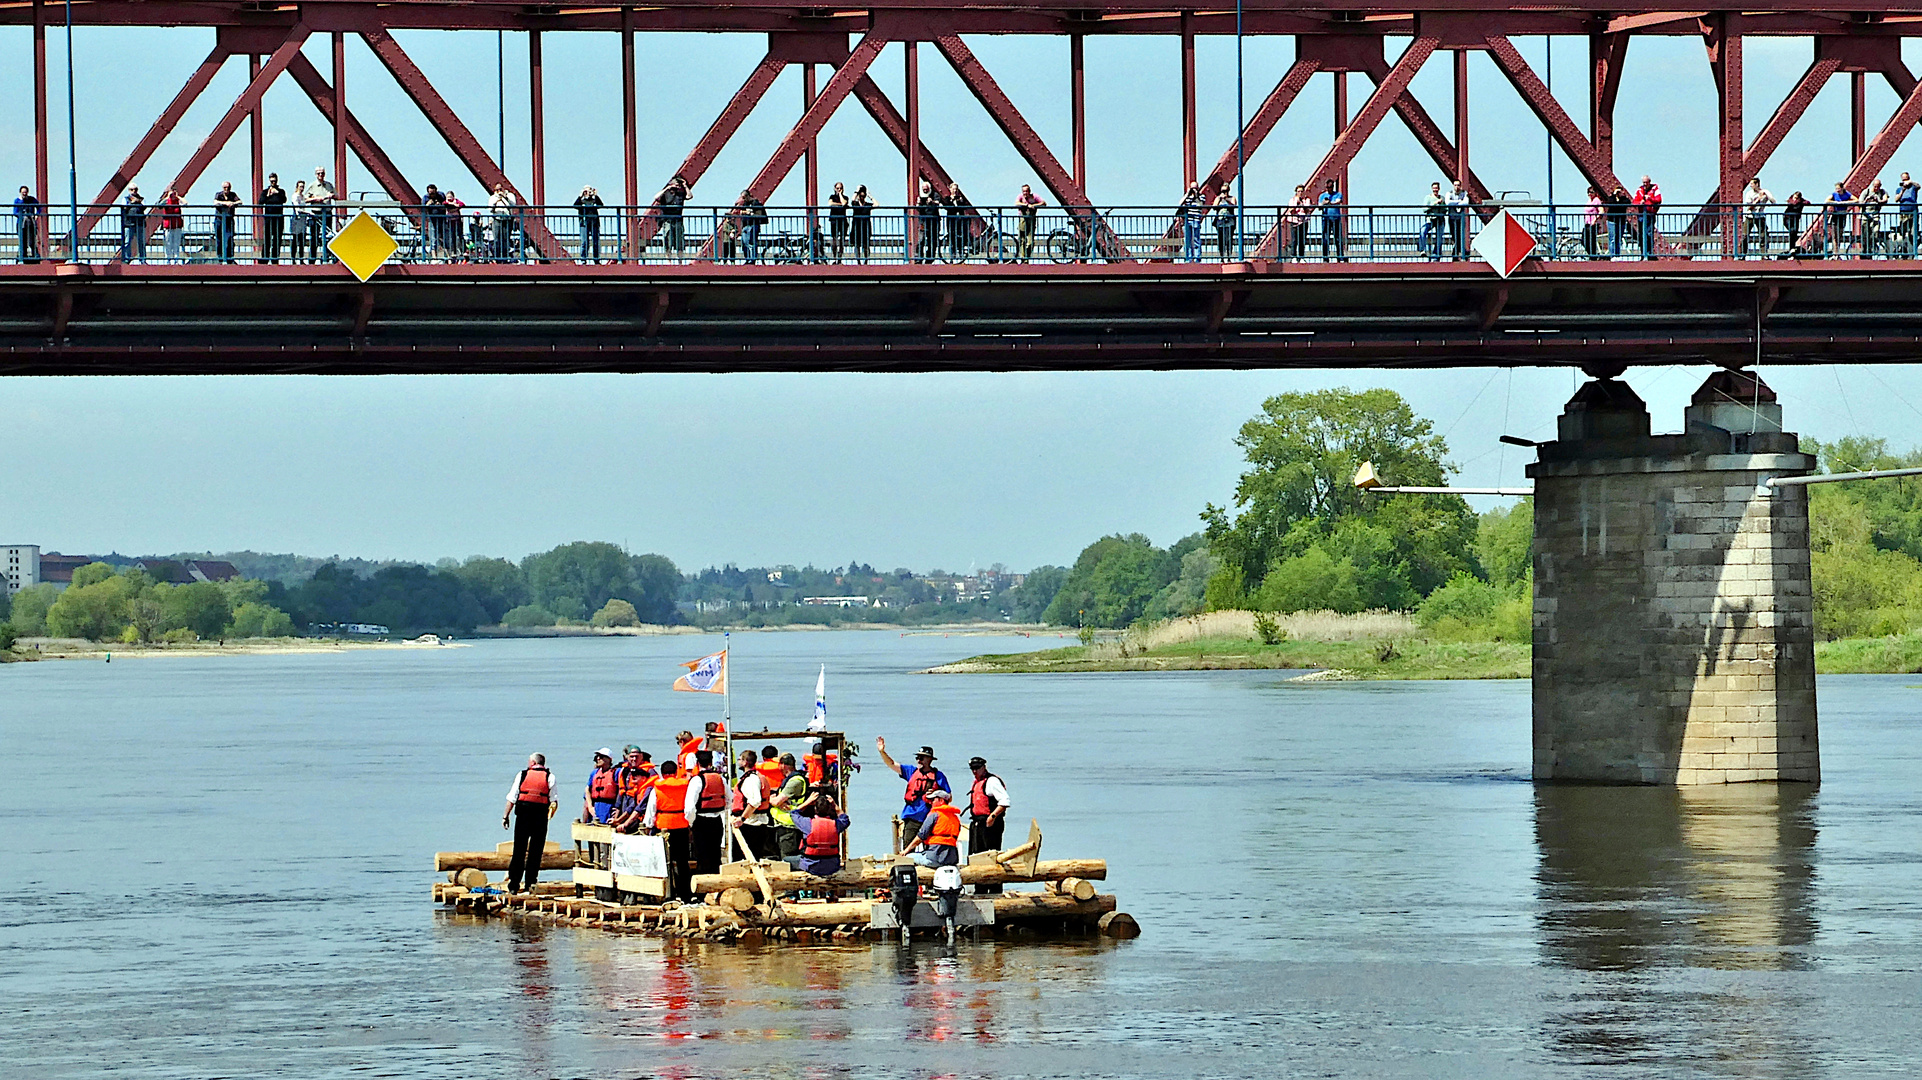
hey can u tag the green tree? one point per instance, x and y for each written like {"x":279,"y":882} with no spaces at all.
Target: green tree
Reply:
{"x":656,"y":588}
{"x":91,"y":574}
{"x":201,"y":607}
{"x":29,"y":616}
{"x":1028,"y":601}
{"x":257,"y":620}
{"x":498,"y":584}
{"x":615,"y":612}
{"x":1298,"y":494}
{"x":1188,"y":592}
{"x":99,"y":610}
{"x":6,"y":605}
{"x":1112,"y":582}
{"x":528,"y":615}
{"x":1504,"y":543}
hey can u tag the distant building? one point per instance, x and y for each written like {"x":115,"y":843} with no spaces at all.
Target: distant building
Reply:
{"x":19,"y":567}
{"x":57,"y":569}
{"x":189,"y":571}
{"x":836,"y":601}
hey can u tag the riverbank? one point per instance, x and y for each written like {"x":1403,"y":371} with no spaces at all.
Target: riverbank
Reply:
{"x":1372,"y":646}
{"x":961,"y":629}
{"x":81,"y":649}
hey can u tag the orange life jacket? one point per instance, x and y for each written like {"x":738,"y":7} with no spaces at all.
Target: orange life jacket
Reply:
{"x":772,"y":774}
{"x":979,"y":800}
{"x":817,"y":770}
{"x":713,"y":792}
{"x":823,"y":839}
{"x":670,"y":802}
{"x":688,"y":750}
{"x":637,"y":782}
{"x":604,"y":785}
{"x":537,"y":785}
{"x":946,"y":830}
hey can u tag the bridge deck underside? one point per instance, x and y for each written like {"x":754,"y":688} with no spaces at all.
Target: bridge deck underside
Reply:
{"x":908,"y":318}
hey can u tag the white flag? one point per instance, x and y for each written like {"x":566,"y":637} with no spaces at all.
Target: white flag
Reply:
{"x":820,"y":721}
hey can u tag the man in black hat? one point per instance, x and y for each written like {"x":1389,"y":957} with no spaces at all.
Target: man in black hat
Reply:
{"x":987,"y":812}
{"x":922,"y":779}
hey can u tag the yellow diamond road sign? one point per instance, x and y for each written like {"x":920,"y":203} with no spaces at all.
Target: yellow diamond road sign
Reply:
{"x":363,"y":246}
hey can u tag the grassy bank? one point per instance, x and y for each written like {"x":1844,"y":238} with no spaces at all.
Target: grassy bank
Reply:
{"x":38,"y":648}
{"x":1373,"y":646}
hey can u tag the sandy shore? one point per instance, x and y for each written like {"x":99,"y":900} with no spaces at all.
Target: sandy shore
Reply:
{"x":77,"y":649}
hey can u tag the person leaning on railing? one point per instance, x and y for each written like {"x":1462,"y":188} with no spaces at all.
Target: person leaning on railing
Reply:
{"x":1905,"y":193}
{"x":1837,"y":213}
{"x":1434,"y":216}
{"x":1028,"y":204}
{"x":226,"y":204}
{"x":670,"y":200}
{"x":1873,"y":200}
{"x":27,"y":219}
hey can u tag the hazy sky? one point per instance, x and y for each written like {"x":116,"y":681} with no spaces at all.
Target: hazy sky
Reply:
{"x":922,"y":471}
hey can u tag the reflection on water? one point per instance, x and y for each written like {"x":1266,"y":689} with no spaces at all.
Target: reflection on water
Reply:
{"x":1714,"y":878}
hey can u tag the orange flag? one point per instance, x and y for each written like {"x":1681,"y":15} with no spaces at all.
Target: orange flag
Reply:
{"x":708,"y":675}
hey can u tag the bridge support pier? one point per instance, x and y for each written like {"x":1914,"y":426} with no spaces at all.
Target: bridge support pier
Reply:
{"x":1674,"y":629}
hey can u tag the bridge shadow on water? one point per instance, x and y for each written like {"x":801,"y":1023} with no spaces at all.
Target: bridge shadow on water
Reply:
{"x":1635,"y":883}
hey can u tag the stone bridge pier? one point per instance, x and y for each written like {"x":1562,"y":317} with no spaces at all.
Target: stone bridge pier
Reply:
{"x":1674,"y":628}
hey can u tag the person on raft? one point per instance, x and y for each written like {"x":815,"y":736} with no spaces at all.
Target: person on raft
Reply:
{"x":821,"y":823}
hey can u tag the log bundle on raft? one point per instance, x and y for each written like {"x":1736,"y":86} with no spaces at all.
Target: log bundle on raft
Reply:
{"x":748,"y":901}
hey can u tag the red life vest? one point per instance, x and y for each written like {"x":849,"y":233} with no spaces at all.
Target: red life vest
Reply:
{"x":920,"y":786}
{"x":713,"y":792}
{"x":670,"y":802}
{"x":946,"y":830}
{"x":817,"y":769}
{"x":604,"y":785}
{"x":740,"y":798}
{"x":537,"y":785}
{"x":979,"y":801}
{"x":823,"y":840}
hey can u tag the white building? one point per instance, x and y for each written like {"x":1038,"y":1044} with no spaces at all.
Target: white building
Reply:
{"x":19,"y":566}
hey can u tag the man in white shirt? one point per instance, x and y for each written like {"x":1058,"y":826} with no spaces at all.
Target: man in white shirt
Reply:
{"x":987,"y":812}
{"x":1755,"y":223}
{"x":757,"y":828}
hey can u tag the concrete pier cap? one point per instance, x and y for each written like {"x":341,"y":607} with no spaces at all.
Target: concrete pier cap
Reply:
{"x":1674,"y":630}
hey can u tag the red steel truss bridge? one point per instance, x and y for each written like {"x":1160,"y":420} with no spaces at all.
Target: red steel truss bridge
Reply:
{"x":1131,"y":297}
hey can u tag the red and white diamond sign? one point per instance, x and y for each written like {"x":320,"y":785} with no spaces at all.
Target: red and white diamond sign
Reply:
{"x":1503,"y":243}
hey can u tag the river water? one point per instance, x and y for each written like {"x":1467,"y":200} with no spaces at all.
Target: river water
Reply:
{"x":219,"y":867}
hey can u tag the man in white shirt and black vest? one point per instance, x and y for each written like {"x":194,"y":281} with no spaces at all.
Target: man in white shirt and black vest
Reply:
{"x":987,"y":813}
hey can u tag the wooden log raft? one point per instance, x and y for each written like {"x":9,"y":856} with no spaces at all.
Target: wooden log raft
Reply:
{"x":499,"y":860}
{"x":1008,"y":907}
{"x":783,"y":880}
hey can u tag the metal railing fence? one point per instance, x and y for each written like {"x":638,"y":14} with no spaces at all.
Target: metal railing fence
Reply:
{"x":652,"y":235}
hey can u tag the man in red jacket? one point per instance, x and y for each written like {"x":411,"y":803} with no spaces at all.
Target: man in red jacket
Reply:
{"x":1648,"y":202}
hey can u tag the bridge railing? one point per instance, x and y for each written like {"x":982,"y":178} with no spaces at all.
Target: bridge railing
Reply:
{"x":255,"y":235}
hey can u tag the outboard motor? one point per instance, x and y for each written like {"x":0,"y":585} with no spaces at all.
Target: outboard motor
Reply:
{"x":947,"y":896}
{"x":904,"y":889}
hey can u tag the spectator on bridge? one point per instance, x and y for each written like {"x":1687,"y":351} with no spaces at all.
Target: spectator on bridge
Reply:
{"x":226,"y":203}
{"x":1332,"y":236}
{"x":861,"y":222}
{"x":1837,"y":212}
{"x":1755,"y":221}
{"x":960,"y":223}
{"x":753,"y":216}
{"x":588,"y":205}
{"x":671,"y":199}
{"x":1648,"y":203}
{"x":320,"y":223}
{"x":838,"y":221}
{"x":1592,"y":220}
{"x":1905,"y":193}
{"x":273,"y":219}
{"x":1792,"y":222}
{"x":433,"y":211}
{"x":1873,"y":200}
{"x":1227,"y":215}
{"x":303,"y":223}
{"x":1434,"y":216}
{"x":1189,"y":214}
{"x":1028,"y":204}
{"x":133,"y":226}
{"x":456,"y":230}
{"x":1458,"y":204}
{"x":927,"y":218}
{"x":1617,"y":204}
{"x":1292,"y":227}
{"x":26,"y":225}
{"x":172,"y":224}
{"x":503,"y":208}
